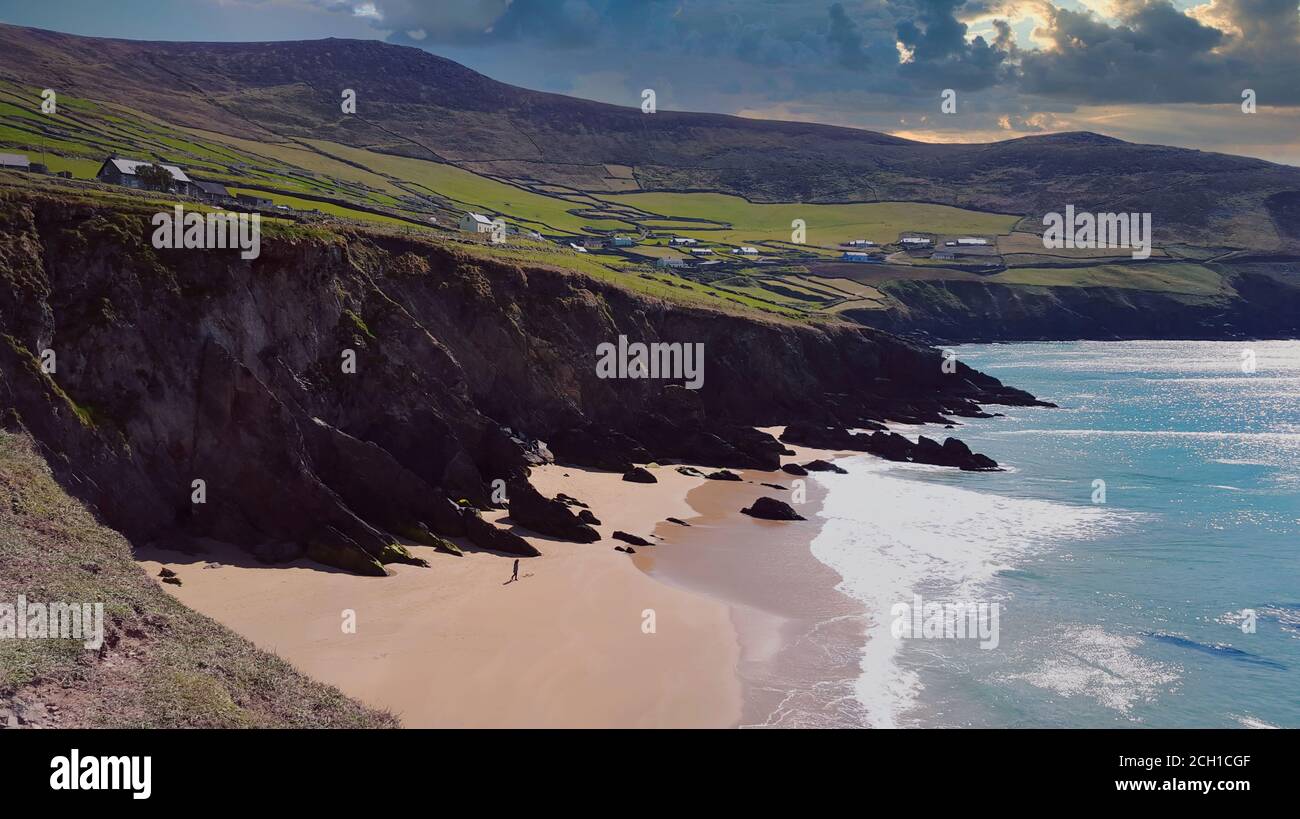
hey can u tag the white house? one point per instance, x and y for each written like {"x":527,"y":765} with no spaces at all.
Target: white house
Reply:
{"x":670,"y":263}
{"x":860,"y":243}
{"x":16,"y":162}
{"x":475,"y":223}
{"x":117,"y":171}
{"x":681,"y":240}
{"x":969,"y":241}
{"x":914,"y":241}
{"x":746,"y":251}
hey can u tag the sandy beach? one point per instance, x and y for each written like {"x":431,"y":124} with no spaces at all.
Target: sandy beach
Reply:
{"x":800,"y":637}
{"x":568,"y":645}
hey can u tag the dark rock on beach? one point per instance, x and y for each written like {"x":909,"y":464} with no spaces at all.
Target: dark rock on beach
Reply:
{"x":777,"y":486}
{"x":639,"y":474}
{"x":793,"y":469}
{"x":587,"y":517}
{"x":691,"y":471}
{"x":772,"y":509}
{"x":633,"y":539}
{"x":487,"y":536}
{"x":824,"y":466}
{"x":723,"y":475}
{"x":531,"y":510}
{"x":678,"y":521}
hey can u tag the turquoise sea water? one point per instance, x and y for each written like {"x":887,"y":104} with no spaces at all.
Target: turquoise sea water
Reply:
{"x":1126,"y":612}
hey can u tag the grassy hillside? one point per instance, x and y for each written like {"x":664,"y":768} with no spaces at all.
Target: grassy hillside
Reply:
{"x":162,"y":665}
{"x":264,"y":130}
{"x":415,"y":104}
{"x":827,"y":225}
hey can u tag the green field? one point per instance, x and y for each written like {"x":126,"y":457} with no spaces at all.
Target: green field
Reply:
{"x":475,"y":192}
{"x":84,"y":131}
{"x":827,"y":225}
{"x":1178,"y":277}
{"x":324,"y":207}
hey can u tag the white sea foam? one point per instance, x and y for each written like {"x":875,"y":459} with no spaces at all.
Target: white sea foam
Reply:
{"x":1285,"y":437}
{"x":889,"y":537}
{"x":1088,"y":661}
{"x":1251,"y":722}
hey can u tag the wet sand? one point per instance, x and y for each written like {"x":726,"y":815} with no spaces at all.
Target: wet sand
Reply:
{"x":746,"y":622}
{"x":454,"y":645}
{"x":800,"y":637}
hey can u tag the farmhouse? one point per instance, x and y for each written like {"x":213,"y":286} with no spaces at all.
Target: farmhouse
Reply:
{"x":858,"y":256}
{"x":212,"y":191}
{"x":968,"y":253}
{"x":14,"y":162}
{"x":860,"y":243}
{"x":745,"y":251}
{"x":255,"y":202}
{"x":701,"y":251}
{"x":475,"y":223}
{"x":622,"y":241}
{"x":670,"y":263}
{"x":969,"y":241}
{"x":682,"y":240}
{"x":116,"y":171}
{"x":914,"y":241}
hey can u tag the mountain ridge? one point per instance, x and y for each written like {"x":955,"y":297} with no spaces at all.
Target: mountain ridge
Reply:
{"x":414,"y":103}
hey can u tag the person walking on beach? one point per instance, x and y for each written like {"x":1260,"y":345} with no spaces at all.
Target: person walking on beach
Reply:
{"x":514,"y":576}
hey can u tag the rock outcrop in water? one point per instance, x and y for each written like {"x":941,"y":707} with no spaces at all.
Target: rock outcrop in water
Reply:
{"x":890,"y":446}
{"x":346,"y":389}
{"x":772,"y":509}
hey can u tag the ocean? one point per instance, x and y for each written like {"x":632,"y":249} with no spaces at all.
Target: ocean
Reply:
{"x":1142,"y":546}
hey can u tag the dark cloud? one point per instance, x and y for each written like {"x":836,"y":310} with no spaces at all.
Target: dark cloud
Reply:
{"x":846,"y":40}
{"x":1150,"y":52}
{"x":1155,"y":53}
{"x":939,"y":54}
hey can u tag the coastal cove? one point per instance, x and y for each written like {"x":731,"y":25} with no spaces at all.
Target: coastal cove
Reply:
{"x":455,"y":645}
{"x":786,"y":624}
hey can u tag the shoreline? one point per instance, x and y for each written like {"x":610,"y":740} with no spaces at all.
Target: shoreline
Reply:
{"x":800,"y":636}
{"x":454,"y":645}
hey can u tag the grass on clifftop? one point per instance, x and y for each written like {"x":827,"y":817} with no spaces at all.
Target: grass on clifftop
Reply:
{"x":162,"y":665}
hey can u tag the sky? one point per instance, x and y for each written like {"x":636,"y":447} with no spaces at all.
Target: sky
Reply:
{"x":1171,"y":72}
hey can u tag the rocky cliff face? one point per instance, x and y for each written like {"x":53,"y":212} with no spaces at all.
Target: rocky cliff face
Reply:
{"x":1261,"y":301}
{"x":176,"y":366}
